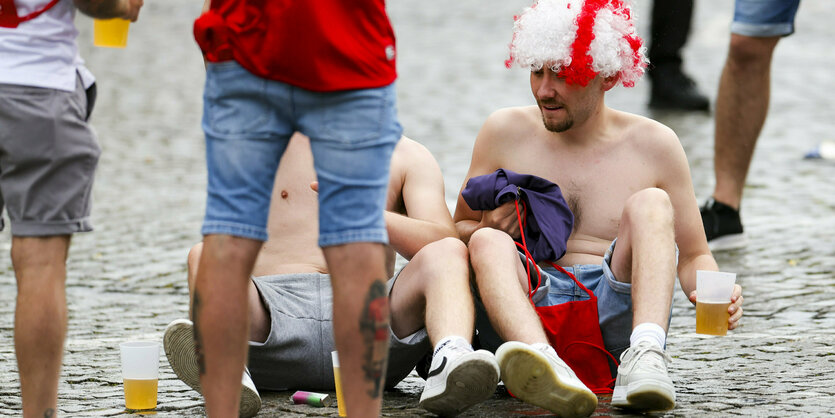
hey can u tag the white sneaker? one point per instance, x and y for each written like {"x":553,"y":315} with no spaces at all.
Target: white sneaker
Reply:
{"x":459,"y":379}
{"x":541,"y":378}
{"x":178,"y":341}
{"x":643,"y":383}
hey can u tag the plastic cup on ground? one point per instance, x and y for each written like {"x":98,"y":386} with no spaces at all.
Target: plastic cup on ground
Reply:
{"x":713,"y":297}
{"x":111,"y":33}
{"x":337,"y":380}
{"x":140,"y":373}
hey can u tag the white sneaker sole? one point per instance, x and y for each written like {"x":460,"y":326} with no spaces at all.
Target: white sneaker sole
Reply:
{"x":178,"y":342}
{"x":528,"y":375}
{"x":728,"y":242}
{"x":472,"y":380}
{"x":645,"y":395}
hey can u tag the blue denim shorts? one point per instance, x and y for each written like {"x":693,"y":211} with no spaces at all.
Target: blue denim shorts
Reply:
{"x":614,"y":298}
{"x":764,"y":18}
{"x":248,"y":121}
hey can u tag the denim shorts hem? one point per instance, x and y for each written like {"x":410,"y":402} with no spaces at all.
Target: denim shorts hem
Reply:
{"x":234,"y":229}
{"x":347,"y":237}
{"x":762,"y":30}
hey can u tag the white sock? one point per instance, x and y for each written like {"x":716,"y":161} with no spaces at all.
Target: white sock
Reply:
{"x":545,"y":348}
{"x":453,"y":340}
{"x":648,"y":331}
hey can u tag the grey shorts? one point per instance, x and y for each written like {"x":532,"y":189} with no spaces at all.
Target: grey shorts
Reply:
{"x":48,"y":158}
{"x":297,"y":352}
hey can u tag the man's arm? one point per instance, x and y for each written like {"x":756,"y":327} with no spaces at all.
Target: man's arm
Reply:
{"x":421,"y":182}
{"x":108,"y":9}
{"x":487,"y":151}
{"x":694,"y":253}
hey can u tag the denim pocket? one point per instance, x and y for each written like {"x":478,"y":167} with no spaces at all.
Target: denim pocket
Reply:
{"x":235,"y":101}
{"x":357,"y":116}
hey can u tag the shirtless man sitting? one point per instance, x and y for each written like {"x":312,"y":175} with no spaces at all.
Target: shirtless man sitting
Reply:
{"x":290,"y":294}
{"x":627,"y":182}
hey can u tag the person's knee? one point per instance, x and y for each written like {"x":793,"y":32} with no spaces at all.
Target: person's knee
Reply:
{"x":747,"y":53}
{"x":444,"y":249}
{"x":485,"y":242}
{"x":651,"y":205}
{"x":193,"y":261}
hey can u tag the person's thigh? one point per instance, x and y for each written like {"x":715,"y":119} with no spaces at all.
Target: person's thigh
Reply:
{"x":247,"y":127}
{"x":48,"y":158}
{"x":352,"y":136}
{"x":764,"y":18}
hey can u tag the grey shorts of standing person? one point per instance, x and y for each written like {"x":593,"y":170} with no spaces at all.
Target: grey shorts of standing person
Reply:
{"x":297,"y":351}
{"x":48,"y":158}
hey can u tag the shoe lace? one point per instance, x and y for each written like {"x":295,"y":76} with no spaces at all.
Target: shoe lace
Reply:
{"x":656,"y":362}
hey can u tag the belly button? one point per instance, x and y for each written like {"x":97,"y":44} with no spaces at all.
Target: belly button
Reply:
{"x":284,"y":194}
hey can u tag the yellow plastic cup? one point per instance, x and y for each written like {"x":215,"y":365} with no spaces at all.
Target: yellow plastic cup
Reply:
{"x":111,"y":33}
{"x":340,"y":400}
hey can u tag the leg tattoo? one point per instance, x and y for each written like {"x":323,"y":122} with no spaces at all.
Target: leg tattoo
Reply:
{"x":198,"y":342}
{"x":374,"y":327}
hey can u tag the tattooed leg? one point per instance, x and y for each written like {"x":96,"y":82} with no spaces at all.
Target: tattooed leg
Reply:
{"x":374,"y":326}
{"x":198,"y":342}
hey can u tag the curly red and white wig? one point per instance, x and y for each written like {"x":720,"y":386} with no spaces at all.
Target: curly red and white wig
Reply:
{"x":579,"y":39}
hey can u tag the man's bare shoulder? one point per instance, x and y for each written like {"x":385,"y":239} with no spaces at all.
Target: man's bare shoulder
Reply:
{"x":410,"y":152}
{"x":513,"y":120}
{"x":647,"y":133}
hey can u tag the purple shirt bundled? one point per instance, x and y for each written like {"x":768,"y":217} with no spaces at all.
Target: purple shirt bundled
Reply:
{"x":549,"y":220}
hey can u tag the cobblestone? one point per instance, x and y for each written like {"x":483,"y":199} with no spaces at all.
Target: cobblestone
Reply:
{"x":127,"y":279}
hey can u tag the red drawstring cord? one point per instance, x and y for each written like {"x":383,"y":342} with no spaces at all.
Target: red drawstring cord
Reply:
{"x":529,"y":260}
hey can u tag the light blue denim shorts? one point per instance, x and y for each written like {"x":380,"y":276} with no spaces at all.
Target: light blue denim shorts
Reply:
{"x":614,"y":298}
{"x":248,"y":121}
{"x":764,"y":18}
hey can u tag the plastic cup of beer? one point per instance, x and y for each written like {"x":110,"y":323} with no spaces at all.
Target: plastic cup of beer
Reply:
{"x":140,"y":373}
{"x":713,"y":297}
{"x":111,"y":33}
{"x":337,"y":380}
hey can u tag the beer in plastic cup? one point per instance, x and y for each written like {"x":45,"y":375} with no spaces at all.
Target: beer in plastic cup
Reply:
{"x":713,"y":297}
{"x":140,"y":373}
{"x":111,"y":33}
{"x":337,"y":380}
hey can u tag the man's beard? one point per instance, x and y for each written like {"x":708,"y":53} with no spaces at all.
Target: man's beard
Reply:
{"x":560,"y":126}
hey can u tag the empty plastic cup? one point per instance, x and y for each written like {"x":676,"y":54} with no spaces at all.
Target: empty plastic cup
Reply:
{"x":140,"y":373}
{"x":713,"y":297}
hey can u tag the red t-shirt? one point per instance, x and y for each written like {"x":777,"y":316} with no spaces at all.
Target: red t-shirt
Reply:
{"x":318,"y":45}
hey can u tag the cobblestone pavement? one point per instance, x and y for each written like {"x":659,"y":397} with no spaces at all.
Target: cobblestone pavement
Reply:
{"x":127,"y":279}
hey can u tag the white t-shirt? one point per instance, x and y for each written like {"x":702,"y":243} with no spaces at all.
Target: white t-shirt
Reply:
{"x":42,"y":52}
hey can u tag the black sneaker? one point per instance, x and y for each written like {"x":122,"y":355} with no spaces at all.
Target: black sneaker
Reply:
{"x":723,"y":227}
{"x":671,"y":89}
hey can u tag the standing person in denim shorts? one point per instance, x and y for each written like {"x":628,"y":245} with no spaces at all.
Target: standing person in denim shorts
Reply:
{"x":627,"y":183}
{"x":290,"y":296}
{"x":48,"y":158}
{"x":741,"y":109}
{"x":325,"y":69}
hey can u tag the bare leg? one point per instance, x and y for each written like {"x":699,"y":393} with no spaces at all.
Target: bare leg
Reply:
{"x":502,"y":285}
{"x":360,"y":323}
{"x":741,"y":109}
{"x":433,"y":290}
{"x":259,"y":318}
{"x":220,"y":319}
{"x":645,"y":255}
{"x":40,"y":319}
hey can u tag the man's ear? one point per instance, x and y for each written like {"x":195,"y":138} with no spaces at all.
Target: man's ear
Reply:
{"x":610,"y":82}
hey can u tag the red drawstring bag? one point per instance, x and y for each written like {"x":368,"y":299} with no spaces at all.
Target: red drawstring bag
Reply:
{"x":9,"y":17}
{"x":573,"y":329}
